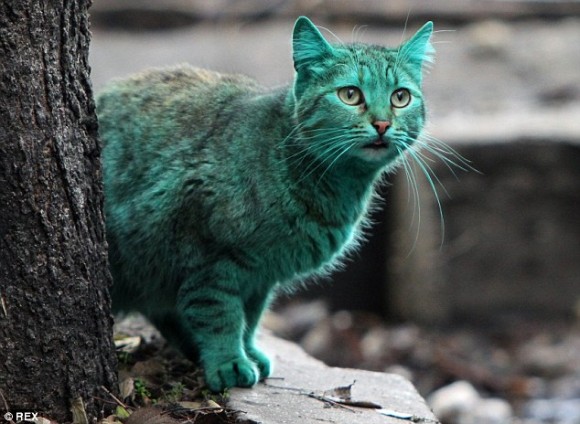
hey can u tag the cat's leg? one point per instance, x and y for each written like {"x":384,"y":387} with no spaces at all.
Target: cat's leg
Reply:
{"x":212,"y":312}
{"x":254,"y":307}
{"x":171,"y":327}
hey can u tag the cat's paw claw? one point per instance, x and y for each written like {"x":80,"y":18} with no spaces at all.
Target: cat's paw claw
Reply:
{"x":239,"y":372}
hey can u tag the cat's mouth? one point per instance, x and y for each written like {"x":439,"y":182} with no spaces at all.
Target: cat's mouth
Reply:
{"x":376,"y":145}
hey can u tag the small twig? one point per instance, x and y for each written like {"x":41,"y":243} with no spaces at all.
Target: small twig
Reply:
{"x":3,"y":303}
{"x":361,"y":404}
{"x":291,"y":389}
{"x":6,"y":407}
{"x":114,"y":397}
{"x":330,"y":401}
{"x":313,"y":395}
{"x":105,"y":400}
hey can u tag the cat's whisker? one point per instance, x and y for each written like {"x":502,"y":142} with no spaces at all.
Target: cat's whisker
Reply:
{"x":309,"y":149}
{"x":432,"y":179}
{"x":308,"y":134}
{"x":326,"y":155}
{"x":416,"y":151}
{"x":449,"y":157}
{"x":412,"y":189}
{"x":442,"y":151}
{"x":356,"y":32}
{"x":299,"y":156}
{"x":445,"y":149}
{"x":314,"y":147}
{"x":397,"y":62}
{"x":290,"y":134}
{"x":336,"y":37}
{"x":425,"y":151}
{"x":344,"y":151}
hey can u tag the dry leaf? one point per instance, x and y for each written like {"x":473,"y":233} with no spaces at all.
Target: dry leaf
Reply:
{"x":150,"y":415}
{"x":343,"y":395}
{"x":127,"y":388}
{"x":190,"y":405}
{"x":128,"y":344}
{"x":152,"y":368}
{"x":211,"y":404}
{"x":341,"y":392}
{"x":78,"y":411}
{"x":121,"y":412}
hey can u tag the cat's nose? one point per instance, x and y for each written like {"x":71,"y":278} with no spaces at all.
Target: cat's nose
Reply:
{"x":381,"y":126}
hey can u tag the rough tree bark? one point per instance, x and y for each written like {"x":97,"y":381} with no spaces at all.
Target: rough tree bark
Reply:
{"x":55,"y":323}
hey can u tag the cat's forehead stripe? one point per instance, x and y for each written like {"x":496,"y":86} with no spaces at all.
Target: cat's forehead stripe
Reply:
{"x":373,"y":58}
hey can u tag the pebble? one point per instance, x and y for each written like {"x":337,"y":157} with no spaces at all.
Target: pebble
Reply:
{"x":460,"y":403}
{"x":405,"y":372}
{"x":561,"y":411}
{"x":545,"y":357}
{"x":488,"y":411}
{"x":295,"y":319}
{"x":374,"y":344}
{"x":451,"y":402}
{"x":318,"y":340}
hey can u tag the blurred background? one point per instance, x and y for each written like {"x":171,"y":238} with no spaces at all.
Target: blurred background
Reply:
{"x":480,"y":309}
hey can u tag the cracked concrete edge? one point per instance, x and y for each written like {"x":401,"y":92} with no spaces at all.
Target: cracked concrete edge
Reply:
{"x":295,"y":391}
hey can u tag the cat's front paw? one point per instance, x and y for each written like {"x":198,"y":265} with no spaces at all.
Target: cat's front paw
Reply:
{"x":262,"y":361}
{"x":240,"y":372}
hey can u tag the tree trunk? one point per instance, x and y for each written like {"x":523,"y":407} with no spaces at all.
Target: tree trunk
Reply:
{"x":55,"y":322}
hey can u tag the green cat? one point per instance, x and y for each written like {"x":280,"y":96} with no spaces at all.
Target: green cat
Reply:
{"x":219,"y":192}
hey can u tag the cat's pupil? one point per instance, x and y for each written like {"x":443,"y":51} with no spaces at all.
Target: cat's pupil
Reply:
{"x":401,"y":98}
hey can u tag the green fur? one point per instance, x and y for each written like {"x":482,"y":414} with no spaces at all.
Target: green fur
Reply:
{"x":219,"y":192}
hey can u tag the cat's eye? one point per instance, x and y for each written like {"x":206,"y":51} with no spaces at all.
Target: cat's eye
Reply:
{"x":401,"y":98}
{"x":351,"y":96}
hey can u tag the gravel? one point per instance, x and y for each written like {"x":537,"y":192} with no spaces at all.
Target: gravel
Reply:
{"x":520,"y":371}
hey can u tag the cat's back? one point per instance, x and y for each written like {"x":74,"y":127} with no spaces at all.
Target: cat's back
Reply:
{"x":178,"y":89}
{"x":173,"y":80}
{"x":150,"y":119}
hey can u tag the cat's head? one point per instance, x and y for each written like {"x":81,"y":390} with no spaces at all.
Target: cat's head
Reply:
{"x":359,"y":100}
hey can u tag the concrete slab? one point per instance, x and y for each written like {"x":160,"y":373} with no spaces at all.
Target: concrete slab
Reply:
{"x":298,"y":393}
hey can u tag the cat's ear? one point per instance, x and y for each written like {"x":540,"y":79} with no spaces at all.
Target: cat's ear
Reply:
{"x":308,"y":44}
{"x":419,"y":50}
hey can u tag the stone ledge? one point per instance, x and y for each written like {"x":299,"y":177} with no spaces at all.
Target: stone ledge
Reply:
{"x":511,"y":231}
{"x":294,"y":393}
{"x":550,"y":125}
